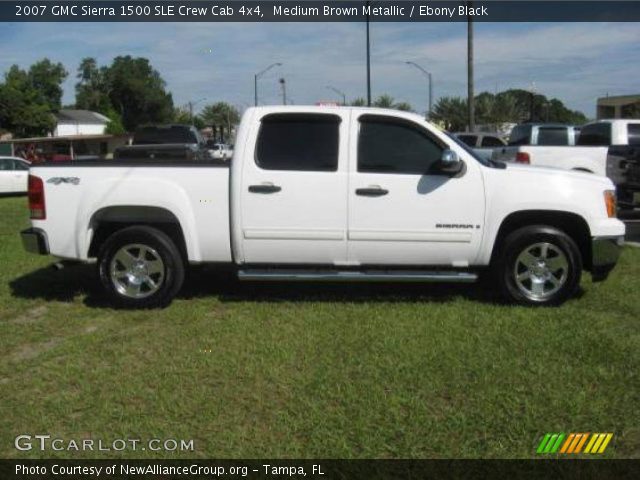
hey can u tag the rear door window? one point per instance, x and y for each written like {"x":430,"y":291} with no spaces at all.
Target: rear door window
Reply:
{"x":468,"y":139}
{"x":595,"y":134}
{"x":555,"y":136}
{"x":298,"y":141}
{"x":633,"y":132}
{"x":520,"y":135}
{"x":492,"y":142}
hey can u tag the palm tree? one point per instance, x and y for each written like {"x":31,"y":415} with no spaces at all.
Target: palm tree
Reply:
{"x":221,"y":116}
{"x":384,"y":101}
{"x":451,"y":112}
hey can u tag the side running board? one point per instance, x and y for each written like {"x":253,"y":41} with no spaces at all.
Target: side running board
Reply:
{"x":290,"y":275}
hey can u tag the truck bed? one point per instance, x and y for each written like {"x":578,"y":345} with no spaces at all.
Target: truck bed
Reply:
{"x":195,"y":193}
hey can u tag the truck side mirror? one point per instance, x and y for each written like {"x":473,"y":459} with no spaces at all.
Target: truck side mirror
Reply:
{"x":450,"y":162}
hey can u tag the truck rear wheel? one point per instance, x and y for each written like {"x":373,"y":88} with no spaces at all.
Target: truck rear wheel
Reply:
{"x":140,"y":267}
{"x":540,"y":265}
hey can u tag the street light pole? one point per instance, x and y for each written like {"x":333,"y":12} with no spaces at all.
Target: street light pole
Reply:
{"x":257,"y":76}
{"x":368,"y":60}
{"x":430,"y":78}
{"x":344,"y":97}
{"x":191,"y":105}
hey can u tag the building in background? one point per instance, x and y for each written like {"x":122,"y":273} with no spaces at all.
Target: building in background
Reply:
{"x":79,"y":122}
{"x":621,"y":106}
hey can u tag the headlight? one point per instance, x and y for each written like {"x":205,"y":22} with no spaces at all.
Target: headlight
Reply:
{"x":610,"y":202}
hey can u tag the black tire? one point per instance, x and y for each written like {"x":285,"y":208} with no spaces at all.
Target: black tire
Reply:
{"x":157,"y":282}
{"x":538,"y":265}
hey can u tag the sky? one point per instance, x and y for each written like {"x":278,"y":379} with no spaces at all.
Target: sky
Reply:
{"x":575,"y":62}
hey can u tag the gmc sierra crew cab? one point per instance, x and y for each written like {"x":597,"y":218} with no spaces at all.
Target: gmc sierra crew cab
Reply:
{"x":329,"y":194}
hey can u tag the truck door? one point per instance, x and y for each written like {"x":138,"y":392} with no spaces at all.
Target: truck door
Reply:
{"x":294,"y":189}
{"x":402,"y":210}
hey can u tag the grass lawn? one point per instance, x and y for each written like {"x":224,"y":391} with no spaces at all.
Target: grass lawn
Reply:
{"x":321,"y":371}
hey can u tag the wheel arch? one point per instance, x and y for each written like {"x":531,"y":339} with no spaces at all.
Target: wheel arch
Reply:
{"x":574,"y":225}
{"x":109,"y":220}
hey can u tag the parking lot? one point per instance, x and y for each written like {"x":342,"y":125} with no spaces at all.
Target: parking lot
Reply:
{"x":325,"y":371}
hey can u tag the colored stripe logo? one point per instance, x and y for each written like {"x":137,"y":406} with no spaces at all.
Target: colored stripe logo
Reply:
{"x":573,"y":443}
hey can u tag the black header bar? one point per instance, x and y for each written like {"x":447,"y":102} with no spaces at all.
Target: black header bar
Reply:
{"x":319,"y":11}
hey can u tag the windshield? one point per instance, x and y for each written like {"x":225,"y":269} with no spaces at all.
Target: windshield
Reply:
{"x":469,"y":150}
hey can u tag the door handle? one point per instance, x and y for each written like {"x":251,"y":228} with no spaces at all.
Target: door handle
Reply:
{"x":264,"y":188}
{"x":371,"y":191}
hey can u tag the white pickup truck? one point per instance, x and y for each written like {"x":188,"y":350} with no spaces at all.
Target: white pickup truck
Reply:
{"x":589,"y":155}
{"x":328,"y":194}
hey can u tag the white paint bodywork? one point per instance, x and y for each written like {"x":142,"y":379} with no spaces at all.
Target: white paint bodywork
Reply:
{"x":316,"y":218}
{"x":591,"y":159}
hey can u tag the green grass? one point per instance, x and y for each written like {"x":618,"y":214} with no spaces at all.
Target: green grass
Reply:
{"x":291,"y":370}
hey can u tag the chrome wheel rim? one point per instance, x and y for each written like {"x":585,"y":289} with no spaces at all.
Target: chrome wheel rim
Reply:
{"x":137,"y":271}
{"x":541,"y":270}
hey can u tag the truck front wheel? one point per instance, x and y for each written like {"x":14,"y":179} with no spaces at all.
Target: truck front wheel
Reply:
{"x":140,"y":267}
{"x":539,"y":265}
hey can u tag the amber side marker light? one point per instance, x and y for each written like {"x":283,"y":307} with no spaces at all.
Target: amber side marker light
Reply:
{"x":610,"y":202}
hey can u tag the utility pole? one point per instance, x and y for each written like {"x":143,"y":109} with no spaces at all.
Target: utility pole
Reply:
{"x":470,"y":94}
{"x":368,"y":60}
{"x":283,"y":84}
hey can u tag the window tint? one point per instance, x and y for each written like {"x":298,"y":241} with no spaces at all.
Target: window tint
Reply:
{"x":491,"y":142}
{"x":468,"y":139}
{"x":633,"y":132}
{"x":553,"y":136}
{"x":595,"y":134}
{"x":166,"y":134}
{"x":294,"y":141}
{"x":5,"y":164}
{"x":520,"y":135}
{"x":389,"y":145}
{"x":18,"y":165}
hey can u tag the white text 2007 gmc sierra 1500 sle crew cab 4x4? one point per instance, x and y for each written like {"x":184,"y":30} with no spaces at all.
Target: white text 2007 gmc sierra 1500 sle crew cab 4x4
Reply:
{"x":330,"y":194}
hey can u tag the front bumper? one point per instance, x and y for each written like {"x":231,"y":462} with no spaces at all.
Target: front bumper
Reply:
{"x":605,"y":252}
{"x":34,"y":240}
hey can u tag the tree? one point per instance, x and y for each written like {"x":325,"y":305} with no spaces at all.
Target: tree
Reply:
{"x":451,"y":112}
{"x":183,"y":115}
{"x":46,"y":78}
{"x":510,"y":106}
{"x":359,"y":102}
{"x":27,"y":103}
{"x":535,"y":107}
{"x":220,"y":116}
{"x":403,"y":106}
{"x":92,"y":89}
{"x":384,"y":101}
{"x":137,"y":92}
{"x":115,"y":126}
{"x":129,"y":86}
